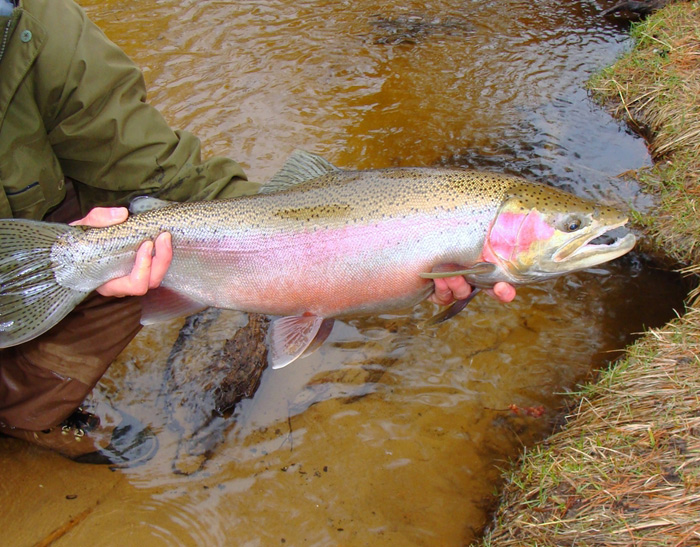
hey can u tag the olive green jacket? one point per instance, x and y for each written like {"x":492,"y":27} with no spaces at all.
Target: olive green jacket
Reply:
{"x":72,"y":104}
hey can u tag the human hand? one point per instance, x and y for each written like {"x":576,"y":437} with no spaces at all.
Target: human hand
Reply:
{"x":449,"y":289}
{"x":149,"y":268}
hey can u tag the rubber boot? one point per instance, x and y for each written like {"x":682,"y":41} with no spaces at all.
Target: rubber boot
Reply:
{"x":114,"y":438}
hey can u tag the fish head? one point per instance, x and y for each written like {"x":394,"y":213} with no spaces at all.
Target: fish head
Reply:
{"x":542,"y":232}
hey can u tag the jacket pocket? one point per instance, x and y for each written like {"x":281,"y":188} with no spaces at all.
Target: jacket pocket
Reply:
{"x":30,"y":174}
{"x":25,"y":199}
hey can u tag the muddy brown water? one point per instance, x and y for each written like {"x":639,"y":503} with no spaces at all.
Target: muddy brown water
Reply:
{"x":392,"y":433}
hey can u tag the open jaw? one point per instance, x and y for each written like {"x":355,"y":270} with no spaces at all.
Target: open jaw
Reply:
{"x":585,"y":254}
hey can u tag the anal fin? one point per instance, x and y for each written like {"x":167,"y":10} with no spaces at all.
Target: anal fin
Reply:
{"x":163,"y":304}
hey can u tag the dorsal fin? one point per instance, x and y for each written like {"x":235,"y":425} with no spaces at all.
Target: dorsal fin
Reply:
{"x":299,"y":167}
{"x":141,"y":204}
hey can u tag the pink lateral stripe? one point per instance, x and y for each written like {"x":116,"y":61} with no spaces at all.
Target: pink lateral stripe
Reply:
{"x":345,"y":267}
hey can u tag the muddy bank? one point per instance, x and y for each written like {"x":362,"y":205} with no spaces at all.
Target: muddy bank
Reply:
{"x":625,"y":470}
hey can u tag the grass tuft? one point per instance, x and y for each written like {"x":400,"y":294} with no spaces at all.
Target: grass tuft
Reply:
{"x":655,"y":89}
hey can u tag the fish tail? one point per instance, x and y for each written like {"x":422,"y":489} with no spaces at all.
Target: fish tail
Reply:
{"x":31,"y":299}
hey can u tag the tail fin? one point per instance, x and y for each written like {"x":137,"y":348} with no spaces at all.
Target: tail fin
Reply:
{"x":31,"y":300}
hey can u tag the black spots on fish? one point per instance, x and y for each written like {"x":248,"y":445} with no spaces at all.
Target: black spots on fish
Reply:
{"x":315,"y":212}
{"x":548,"y":199}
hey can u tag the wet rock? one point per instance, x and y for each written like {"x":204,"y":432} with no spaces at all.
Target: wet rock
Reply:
{"x":217,"y":360}
{"x":636,"y":9}
{"x":414,"y":28}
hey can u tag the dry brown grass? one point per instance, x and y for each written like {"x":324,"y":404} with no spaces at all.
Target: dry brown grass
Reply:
{"x":626,"y":468}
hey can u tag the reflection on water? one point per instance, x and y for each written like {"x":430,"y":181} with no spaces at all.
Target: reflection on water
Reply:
{"x":392,"y":432}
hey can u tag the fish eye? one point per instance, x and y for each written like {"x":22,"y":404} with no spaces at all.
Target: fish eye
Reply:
{"x":573,"y":225}
{"x":570,"y":224}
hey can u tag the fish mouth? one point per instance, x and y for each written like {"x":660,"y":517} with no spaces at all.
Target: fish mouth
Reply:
{"x":585,"y":253}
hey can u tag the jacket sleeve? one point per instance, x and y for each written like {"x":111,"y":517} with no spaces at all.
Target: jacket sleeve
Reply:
{"x":106,"y":136}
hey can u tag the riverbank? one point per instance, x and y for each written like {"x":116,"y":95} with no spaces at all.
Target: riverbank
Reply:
{"x":625,"y":469}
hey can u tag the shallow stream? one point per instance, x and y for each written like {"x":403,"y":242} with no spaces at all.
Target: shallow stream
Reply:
{"x":392,"y":433}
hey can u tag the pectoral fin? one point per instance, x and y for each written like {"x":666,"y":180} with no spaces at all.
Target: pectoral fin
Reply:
{"x":480,"y":268}
{"x":453,"y":310}
{"x":291,"y":337}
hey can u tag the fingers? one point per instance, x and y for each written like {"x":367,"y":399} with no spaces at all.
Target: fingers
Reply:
{"x":148,"y":271}
{"x":505,"y":292}
{"x":138,"y":280}
{"x":162,"y":259}
{"x":99,"y":217}
{"x":450,"y":288}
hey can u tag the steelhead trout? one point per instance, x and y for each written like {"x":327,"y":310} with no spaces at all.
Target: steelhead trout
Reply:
{"x":317,"y":243}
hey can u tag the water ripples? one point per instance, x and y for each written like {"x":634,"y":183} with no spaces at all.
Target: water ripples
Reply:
{"x":322,"y":76}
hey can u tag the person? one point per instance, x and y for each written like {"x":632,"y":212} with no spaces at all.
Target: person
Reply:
{"x":78,"y":141}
